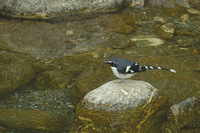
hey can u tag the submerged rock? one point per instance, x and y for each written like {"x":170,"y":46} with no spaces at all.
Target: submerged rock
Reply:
{"x":184,"y":116}
{"x":123,"y":103}
{"x":32,"y":120}
{"x":119,"y":23}
{"x":166,"y":31}
{"x":184,"y":106}
{"x":16,"y":71}
{"x":52,"y":80}
{"x":118,"y":41}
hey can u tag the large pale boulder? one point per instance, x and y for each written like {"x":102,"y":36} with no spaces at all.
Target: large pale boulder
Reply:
{"x":135,"y":105}
{"x":46,"y":8}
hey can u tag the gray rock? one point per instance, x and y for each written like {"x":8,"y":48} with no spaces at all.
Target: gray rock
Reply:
{"x":16,"y":71}
{"x":184,"y":116}
{"x":43,"y":8}
{"x":119,"y":102}
{"x":184,"y":106}
{"x":120,"y":95}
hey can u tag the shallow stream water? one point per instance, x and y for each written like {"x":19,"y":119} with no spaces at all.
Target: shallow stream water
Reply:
{"x":71,"y":46}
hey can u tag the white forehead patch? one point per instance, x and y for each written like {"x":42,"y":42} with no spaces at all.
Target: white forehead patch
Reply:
{"x":111,"y":61}
{"x":127,"y":68}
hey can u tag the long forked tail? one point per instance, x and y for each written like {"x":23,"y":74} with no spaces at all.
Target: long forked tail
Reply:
{"x":144,"y":68}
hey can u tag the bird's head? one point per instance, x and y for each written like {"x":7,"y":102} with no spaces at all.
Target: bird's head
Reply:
{"x":112,"y":61}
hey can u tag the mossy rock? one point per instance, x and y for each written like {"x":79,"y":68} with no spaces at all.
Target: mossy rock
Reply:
{"x":119,"y":23}
{"x":16,"y":71}
{"x":4,"y":46}
{"x":33,"y":120}
{"x":52,"y":80}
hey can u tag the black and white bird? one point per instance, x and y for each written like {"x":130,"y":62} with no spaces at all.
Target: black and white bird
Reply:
{"x":123,"y":68}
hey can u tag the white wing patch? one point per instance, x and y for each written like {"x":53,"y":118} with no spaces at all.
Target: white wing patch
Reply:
{"x":128,"y":68}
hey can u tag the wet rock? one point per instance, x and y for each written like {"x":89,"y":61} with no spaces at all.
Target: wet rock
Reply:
{"x":119,"y":23}
{"x":89,"y":79}
{"x":52,"y":80}
{"x":133,"y":104}
{"x":45,"y":9}
{"x":184,"y":116}
{"x":166,"y":31}
{"x":33,"y":120}
{"x":16,"y":71}
{"x":118,"y":41}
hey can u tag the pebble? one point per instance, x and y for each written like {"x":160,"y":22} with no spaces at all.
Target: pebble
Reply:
{"x":150,"y":41}
{"x":55,"y":101}
{"x":184,"y":18}
{"x":193,"y":11}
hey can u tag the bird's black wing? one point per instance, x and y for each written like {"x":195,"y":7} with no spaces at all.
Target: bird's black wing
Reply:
{"x":135,"y":67}
{"x":125,"y":67}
